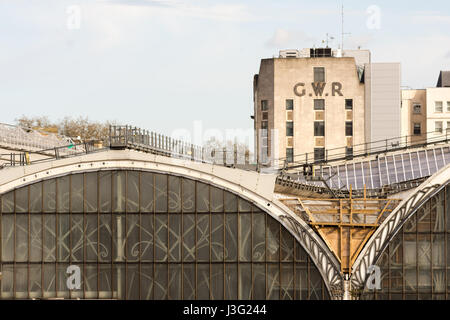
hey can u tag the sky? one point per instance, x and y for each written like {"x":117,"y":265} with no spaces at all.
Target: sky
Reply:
{"x":182,"y":67}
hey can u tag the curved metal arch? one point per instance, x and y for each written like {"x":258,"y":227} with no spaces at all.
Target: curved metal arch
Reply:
{"x":393,"y":224}
{"x":319,"y":253}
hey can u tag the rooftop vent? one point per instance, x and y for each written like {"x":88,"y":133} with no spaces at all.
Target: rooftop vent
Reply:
{"x":320,"y":52}
{"x":289,"y":54}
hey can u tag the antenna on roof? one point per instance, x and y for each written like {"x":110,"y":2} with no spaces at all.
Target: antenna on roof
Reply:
{"x":328,"y":39}
{"x":343,"y":33}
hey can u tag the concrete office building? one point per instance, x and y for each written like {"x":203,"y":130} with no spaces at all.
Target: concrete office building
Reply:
{"x":314,"y":100}
{"x":426,"y":112}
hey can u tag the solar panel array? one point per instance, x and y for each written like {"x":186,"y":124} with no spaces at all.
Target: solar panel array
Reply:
{"x":384,"y":170}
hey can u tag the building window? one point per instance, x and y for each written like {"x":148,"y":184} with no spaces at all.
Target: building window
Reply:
{"x":319,"y":154}
{"x":264,"y":125}
{"x":349,"y":153}
{"x":417,"y":128}
{"x":289,"y":129}
{"x":289,"y":104}
{"x":264,"y":105}
{"x":448,"y":106}
{"x":438,"y":126}
{"x":319,"y":104}
{"x":319,"y":74}
{"x":265,"y":115}
{"x":417,"y":109}
{"x":349,"y":104}
{"x":448,"y":126}
{"x":349,"y":128}
{"x":438,"y":106}
{"x":319,"y":128}
{"x":290,"y":155}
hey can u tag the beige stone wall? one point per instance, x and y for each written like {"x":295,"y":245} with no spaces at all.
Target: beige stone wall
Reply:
{"x":289,"y":72}
{"x":433,"y":95}
{"x":408,"y":117}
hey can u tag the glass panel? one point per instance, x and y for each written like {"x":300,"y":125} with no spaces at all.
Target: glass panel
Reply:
{"x":203,"y":281}
{"x":216,"y":200}
{"x":49,"y":238}
{"x":90,"y":281}
{"x":244,"y":206}
{"x":231,"y":281}
{"x":36,"y":197}
{"x":273,"y":286}
{"x":133,"y":282}
{"x":160,"y":280}
{"x":273,"y":240}
{"x":91,"y":230}
{"x":22,"y":200}
{"x":174,"y":194}
{"x":189,"y":281}
{"x":189,"y":237}
{"x":202,"y":197}
{"x":7,"y":280}
{"x":35,"y":237}
{"x":245,"y":281}
{"x":105,"y":238}
{"x":77,"y":228}
{"x":161,"y":238}
{"x":188,"y":195}
{"x":301,"y":281}
{"x":105,"y":191}
{"x":63,"y":291}
{"x":259,"y":281}
{"x":132,"y":191}
{"x":62,"y":194}
{"x":147,"y":192}
{"x":175,"y":281}
{"x":174,"y":237}
{"x":287,"y":245}
{"x":49,"y":194}
{"x":147,"y":281}
{"x":21,"y":238}
{"x":161,"y":192}
{"x":91,"y":192}
{"x":147,"y":237}
{"x":230,"y":202}
{"x":203,"y":237}
{"x":259,"y":236}
{"x":230,"y":237}
{"x":119,"y":178}
{"x":217,"y":281}
{"x":49,"y":284}
{"x":76,"y":191}
{"x":217,"y":235}
{"x":105,"y":282}
{"x":245,"y":237}
{"x":21,"y":281}
{"x":8,"y":202}
{"x":287,"y":281}
{"x":132,"y":245}
{"x":7,"y":238}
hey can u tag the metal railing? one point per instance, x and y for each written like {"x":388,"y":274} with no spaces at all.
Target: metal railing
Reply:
{"x":364,"y":150}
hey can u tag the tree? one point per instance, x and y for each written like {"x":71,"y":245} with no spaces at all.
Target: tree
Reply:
{"x":80,"y":128}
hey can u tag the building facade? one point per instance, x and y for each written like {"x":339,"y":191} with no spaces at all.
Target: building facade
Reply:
{"x":426,"y":112}
{"x":319,"y":99}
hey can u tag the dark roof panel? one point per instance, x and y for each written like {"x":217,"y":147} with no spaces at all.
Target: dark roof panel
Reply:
{"x":444,"y":79}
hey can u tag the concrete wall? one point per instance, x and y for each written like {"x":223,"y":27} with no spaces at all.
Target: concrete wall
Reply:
{"x":383,"y":96}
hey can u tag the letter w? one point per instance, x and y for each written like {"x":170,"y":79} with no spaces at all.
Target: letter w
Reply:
{"x":318,"y":88}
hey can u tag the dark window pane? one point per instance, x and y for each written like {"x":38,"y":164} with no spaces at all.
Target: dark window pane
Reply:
{"x":289,"y":129}
{"x":289,"y":104}
{"x":319,"y":128}
{"x":319,"y":74}
{"x":349,"y":104}
{"x":319,"y":104}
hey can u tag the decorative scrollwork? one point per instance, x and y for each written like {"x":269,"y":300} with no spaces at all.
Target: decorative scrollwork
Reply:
{"x":329,"y":270}
{"x":387,"y":231}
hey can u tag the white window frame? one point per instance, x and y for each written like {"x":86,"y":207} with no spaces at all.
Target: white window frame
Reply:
{"x":436,"y":107}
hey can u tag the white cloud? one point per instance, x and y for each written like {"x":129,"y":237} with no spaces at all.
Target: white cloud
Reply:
{"x":283,"y":38}
{"x":427,"y":17}
{"x":221,"y":12}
